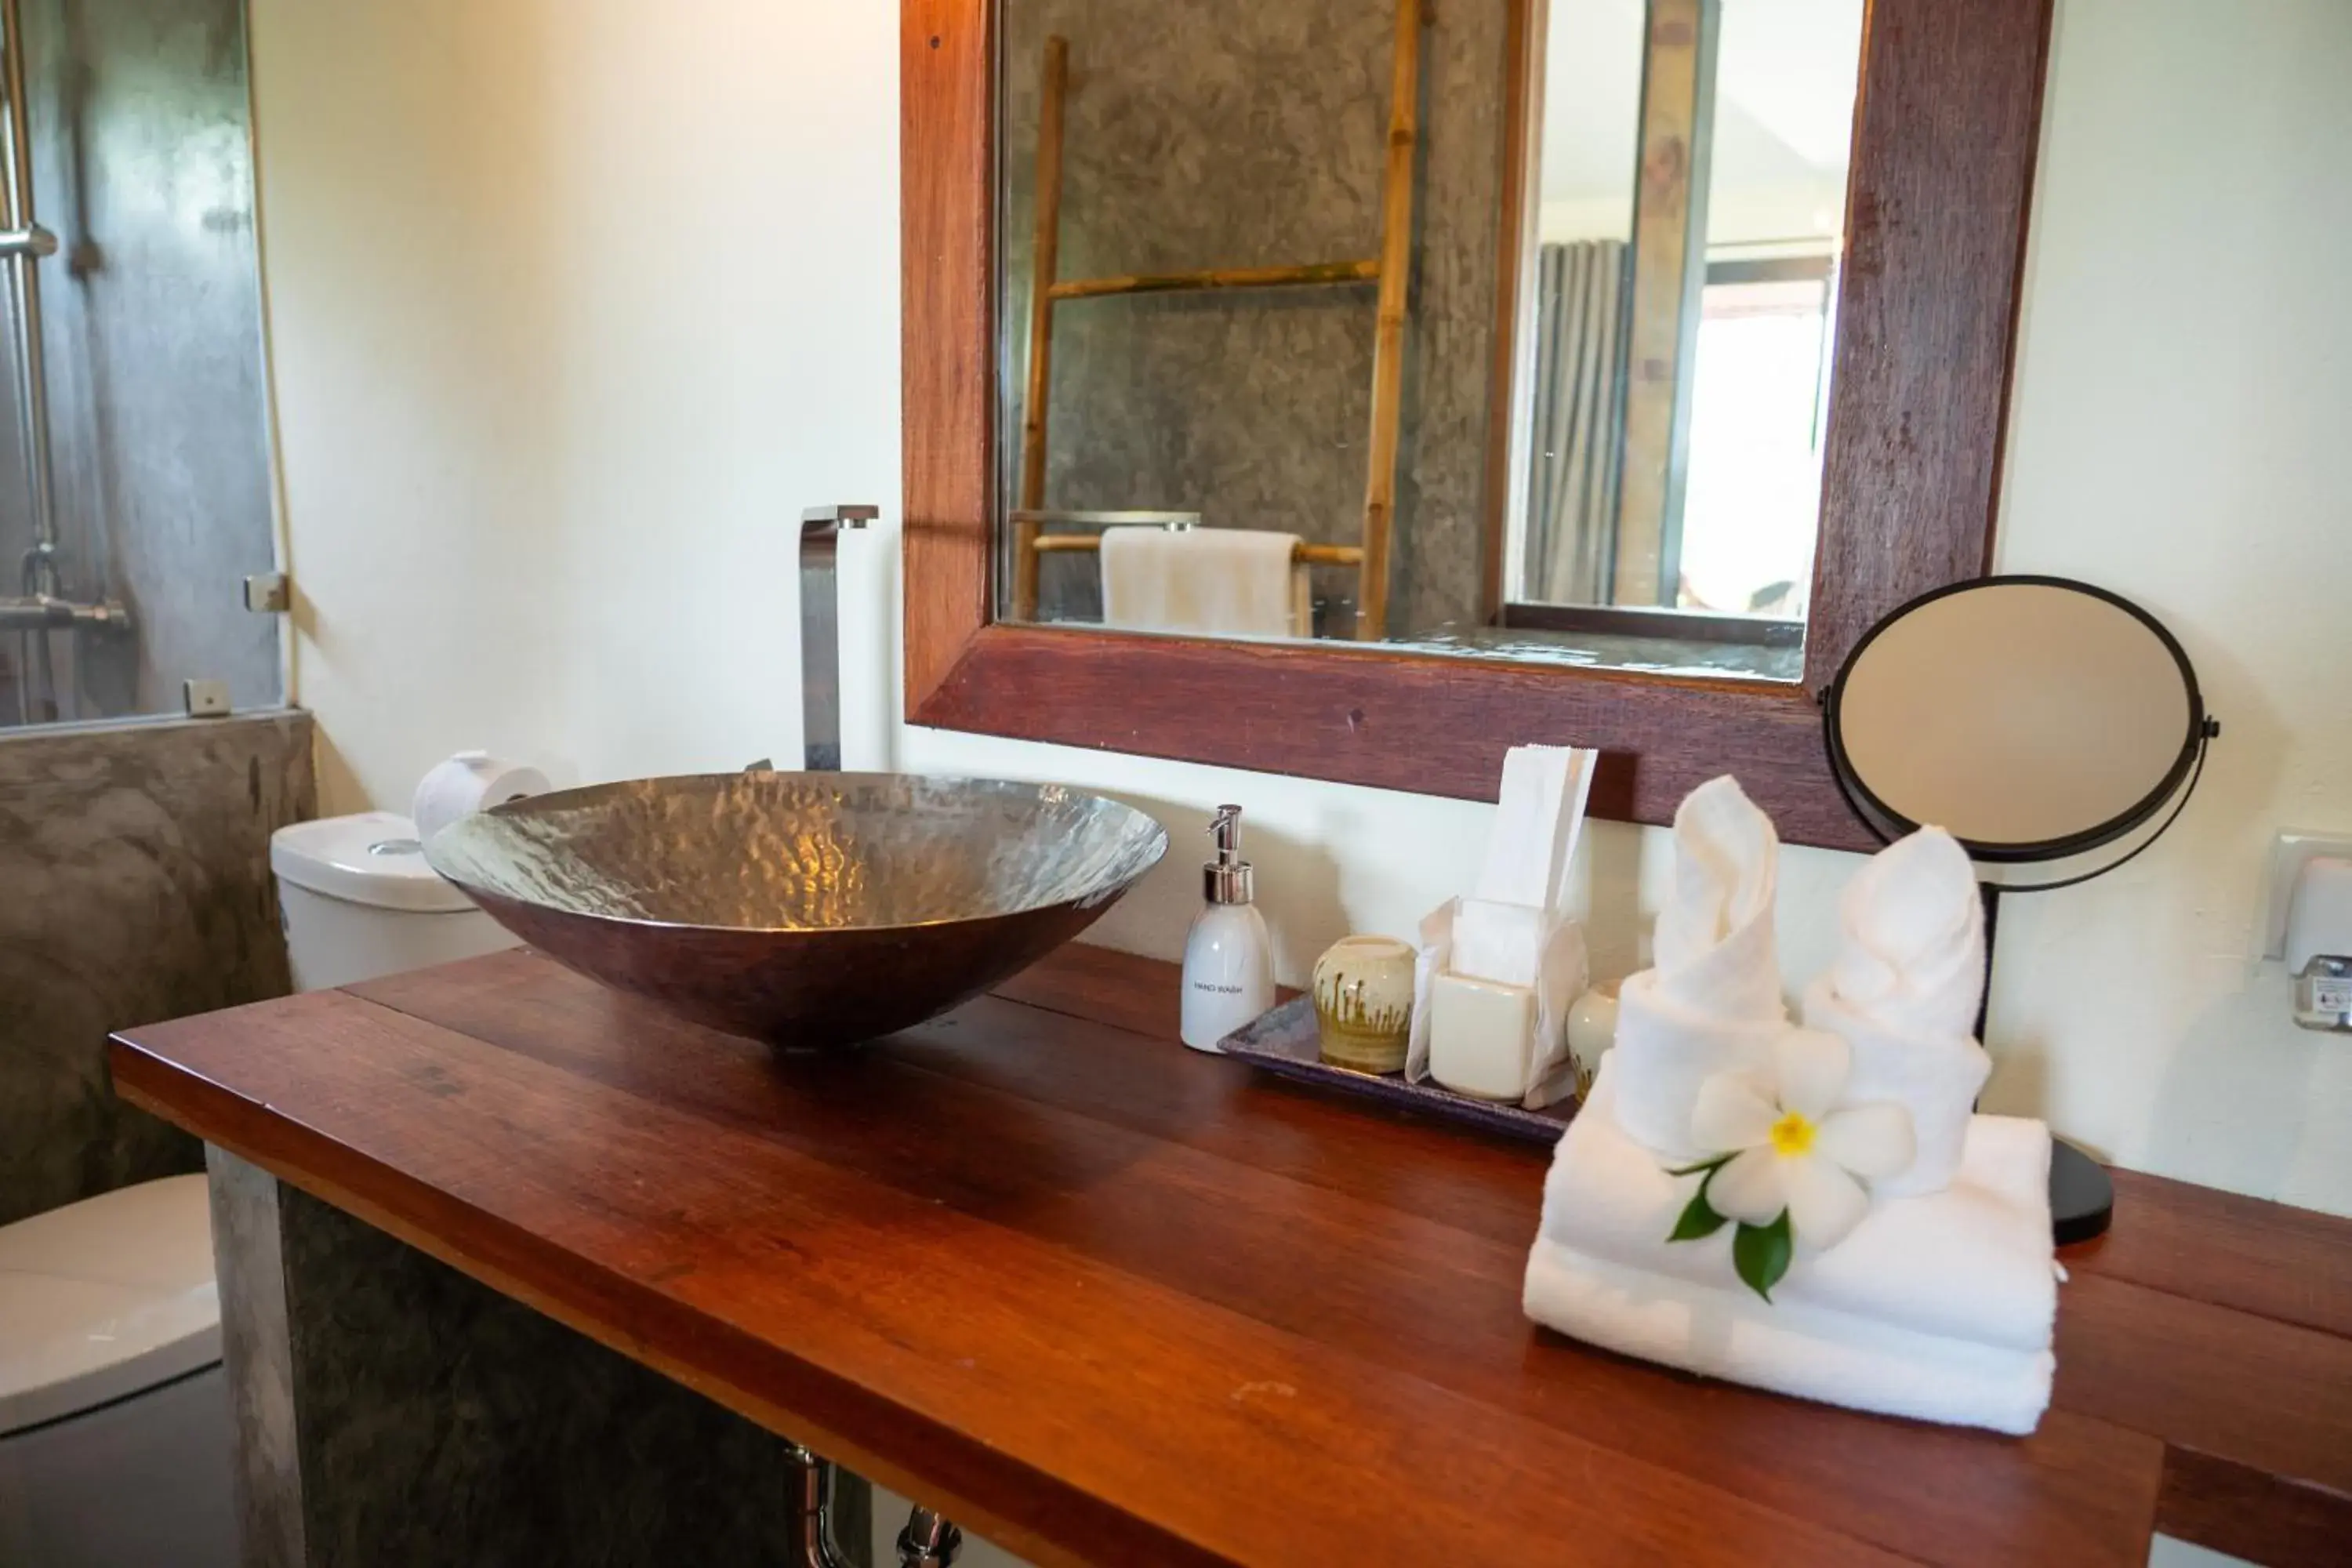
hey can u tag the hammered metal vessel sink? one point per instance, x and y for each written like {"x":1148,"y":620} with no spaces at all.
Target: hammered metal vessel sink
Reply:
{"x":811,"y":910}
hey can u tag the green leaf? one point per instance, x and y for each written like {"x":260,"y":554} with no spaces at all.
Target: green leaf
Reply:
{"x":1760,"y":1253}
{"x":1699,"y":1218}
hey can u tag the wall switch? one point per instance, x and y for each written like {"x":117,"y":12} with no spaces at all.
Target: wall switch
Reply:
{"x":2288,"y":856}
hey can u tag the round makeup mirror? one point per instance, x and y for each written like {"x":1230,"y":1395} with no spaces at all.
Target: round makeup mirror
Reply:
{"x":2034,"y":720}
{"x":2031,"y":718}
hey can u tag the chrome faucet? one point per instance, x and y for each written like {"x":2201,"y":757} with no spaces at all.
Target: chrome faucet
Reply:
{"x":928,"y":1541}
{"x":820,"y":529}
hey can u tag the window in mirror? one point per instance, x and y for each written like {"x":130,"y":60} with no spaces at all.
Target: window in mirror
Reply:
{"x":1256,"y":263}
{"x":1691,"y":182}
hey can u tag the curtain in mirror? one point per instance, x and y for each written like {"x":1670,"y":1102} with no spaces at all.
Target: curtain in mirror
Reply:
{"x":1578,"y":411}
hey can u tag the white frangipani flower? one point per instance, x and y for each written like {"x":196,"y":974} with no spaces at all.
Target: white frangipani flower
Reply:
{"x":1793,"y":1146}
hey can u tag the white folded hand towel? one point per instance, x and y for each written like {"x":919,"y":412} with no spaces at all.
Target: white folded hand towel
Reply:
{"x":1809,"y":1353}
{"x":1904,"y":990}
{"x":1715,"y":946}
{"x":1940,"y":1307}
{"x":1711,"y":1001}
{"x":1913,"y":954}
{"x":1207,"y":581}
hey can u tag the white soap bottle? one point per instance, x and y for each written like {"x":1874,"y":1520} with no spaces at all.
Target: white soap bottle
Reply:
{"x":1228,"y":956}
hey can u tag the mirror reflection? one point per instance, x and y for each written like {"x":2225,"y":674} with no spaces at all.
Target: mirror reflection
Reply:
{"x":1327,"y":318}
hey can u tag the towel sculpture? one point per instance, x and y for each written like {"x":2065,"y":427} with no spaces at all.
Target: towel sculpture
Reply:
{"x":1811,"y":1208}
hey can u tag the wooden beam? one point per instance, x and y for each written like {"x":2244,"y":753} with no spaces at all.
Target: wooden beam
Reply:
{"x":1053,"y":87}
{"x":1510,"y":393}
{"x":1669,"y":273}
{"x":1388,"y":340}
{"x":1222,"y":278}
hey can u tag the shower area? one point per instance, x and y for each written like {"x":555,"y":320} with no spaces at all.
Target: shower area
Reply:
{"x":135,"y":502}
{"x":135,"y":486}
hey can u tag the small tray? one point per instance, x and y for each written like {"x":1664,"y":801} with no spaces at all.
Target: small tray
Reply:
{"x":1284,"y":1042}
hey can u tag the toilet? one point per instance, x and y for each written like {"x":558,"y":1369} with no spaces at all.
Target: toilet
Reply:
{"x":357,"y":900}
{"x":115,"y":1442}
{"x":116,"y":1448}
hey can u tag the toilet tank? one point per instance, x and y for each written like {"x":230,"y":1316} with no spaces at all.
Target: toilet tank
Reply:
{"x":357,"y":900}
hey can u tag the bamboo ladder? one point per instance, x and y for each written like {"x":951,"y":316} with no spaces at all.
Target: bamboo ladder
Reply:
{"x":1391,"y":269}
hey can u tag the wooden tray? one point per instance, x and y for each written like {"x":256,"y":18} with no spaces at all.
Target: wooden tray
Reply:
{"x":1284,"y":1042}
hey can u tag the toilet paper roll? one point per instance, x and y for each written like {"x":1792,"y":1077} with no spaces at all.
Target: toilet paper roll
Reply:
{"x":468,"y":782}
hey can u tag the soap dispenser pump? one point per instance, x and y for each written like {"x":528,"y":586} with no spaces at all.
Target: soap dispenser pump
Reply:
{"x":1228,"y":956}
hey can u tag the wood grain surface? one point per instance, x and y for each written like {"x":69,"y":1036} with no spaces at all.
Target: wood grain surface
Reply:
{"x":1940,"y":188}
{"x":1109,"y":1300}
{"x":1432,"y":725}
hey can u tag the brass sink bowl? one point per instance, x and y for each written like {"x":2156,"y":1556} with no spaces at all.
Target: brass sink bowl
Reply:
{"x":810,"y":910}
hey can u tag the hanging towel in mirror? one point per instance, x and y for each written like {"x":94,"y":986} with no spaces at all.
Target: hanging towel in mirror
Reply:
{"x":1205,"y":582}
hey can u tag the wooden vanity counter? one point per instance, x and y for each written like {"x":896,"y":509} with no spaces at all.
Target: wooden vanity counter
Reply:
{"x":1104,"y":1300}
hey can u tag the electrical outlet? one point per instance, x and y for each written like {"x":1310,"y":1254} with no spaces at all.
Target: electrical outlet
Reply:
{"x":2288,"y":856}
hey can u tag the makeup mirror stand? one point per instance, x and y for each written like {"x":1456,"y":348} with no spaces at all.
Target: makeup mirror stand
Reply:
{"x":1960,"y":641}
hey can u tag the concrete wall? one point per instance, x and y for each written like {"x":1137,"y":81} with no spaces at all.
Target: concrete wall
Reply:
{"x":1255,"y":134}
{"x":540,"y":501}
{"x":389,"y":1409}
{"x":134,"y":885}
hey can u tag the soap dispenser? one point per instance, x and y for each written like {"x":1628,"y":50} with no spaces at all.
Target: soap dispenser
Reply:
{"x":1228,"y":956}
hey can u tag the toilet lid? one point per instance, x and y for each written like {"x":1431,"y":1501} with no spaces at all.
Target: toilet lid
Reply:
{"x":370,"y":858}
{"x":105,"y":1298}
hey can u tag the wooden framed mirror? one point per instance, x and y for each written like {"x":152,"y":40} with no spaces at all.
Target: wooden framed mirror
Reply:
{"x":1021,"y":476}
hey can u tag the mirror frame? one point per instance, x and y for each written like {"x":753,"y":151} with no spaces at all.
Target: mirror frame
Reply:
{"x":1938,"y":194}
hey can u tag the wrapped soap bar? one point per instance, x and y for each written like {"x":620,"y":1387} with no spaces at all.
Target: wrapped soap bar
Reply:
{"x":1560,"y":974}
{"x":1482,"y":1037}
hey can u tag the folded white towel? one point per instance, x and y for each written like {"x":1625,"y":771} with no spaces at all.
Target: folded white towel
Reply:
{"x":1971,"y":1261}
{"x":1711,"y":1003}
{"x":1937,"y":1079}
{"x":1207,"y":581}
{"x":1806,"y":1351}
{"x":1939,"y":1306}
{"x":1903,"y":991}
{"x":1912,"y":953}
{"x":1715,"y":946}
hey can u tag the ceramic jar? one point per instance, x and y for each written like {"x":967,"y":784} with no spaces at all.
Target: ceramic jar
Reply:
{"x":1363,"y":1002}
{"x":1592,"y":1030}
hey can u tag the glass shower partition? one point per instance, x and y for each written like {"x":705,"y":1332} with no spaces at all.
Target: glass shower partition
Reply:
{"x":135,"y":482}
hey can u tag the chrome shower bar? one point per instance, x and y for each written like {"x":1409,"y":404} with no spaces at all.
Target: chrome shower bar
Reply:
{"x":27,"y":243}
{"x":45,"y":605}
{"x":48,"y":613}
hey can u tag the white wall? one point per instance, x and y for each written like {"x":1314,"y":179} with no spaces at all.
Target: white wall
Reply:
{"x":575,"y":303}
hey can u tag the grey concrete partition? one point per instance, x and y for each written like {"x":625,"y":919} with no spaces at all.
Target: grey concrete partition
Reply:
{"x":392,"y":1410}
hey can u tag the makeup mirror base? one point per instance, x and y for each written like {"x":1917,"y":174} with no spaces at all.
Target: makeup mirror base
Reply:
{"x":2082,"y":1194}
